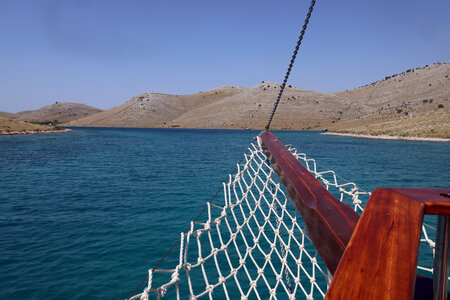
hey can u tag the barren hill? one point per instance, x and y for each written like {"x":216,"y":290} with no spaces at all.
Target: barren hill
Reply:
{"x":229,"y":107}
{"x":140,"y":111}
{"x":6,"y":115}
{"x":59,"y":112}
{"x":428,"y":82}
{"x":250,"y":108}
{"x":9,"y":126}
{"x":415,"y":102}
{"x":149,"y":109}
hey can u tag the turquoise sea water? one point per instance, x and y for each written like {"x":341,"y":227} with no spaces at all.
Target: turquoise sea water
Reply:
{"x":85,"y":214}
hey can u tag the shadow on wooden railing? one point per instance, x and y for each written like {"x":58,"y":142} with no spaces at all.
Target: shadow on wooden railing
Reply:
{"x":373,"y":256}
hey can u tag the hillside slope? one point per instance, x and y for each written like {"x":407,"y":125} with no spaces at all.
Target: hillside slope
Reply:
{"x":6,"y":115}
{"x":59,"y":112}
{"x":250,"y":108}
{"x":151,"y":109}
{"x":429,"y":82}
{"x":229,"y":107}
{"x":415,"y":102}
{"x":10,"y":126}
{"x":140,"y":111}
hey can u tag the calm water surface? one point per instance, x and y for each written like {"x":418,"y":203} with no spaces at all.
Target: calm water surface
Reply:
{"x":85,"y":214}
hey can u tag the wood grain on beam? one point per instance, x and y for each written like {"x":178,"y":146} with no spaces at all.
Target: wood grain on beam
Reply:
{"x":380,"y":260}
{"x":330,"y":223}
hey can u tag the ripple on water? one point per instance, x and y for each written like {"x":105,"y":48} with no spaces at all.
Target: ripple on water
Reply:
{"x":85,"y":214}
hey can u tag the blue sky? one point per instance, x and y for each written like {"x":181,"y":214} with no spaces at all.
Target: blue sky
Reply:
{"x":103,"y":52}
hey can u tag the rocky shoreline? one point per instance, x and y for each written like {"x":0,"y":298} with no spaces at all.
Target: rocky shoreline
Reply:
{"x":33,"y":132}
{"x":390,"y":137}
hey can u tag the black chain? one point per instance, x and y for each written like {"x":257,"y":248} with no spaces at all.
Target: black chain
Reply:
{"x":305,"y":25}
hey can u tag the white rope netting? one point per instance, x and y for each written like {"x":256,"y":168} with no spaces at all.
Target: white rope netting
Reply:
{"x":253,"y":244}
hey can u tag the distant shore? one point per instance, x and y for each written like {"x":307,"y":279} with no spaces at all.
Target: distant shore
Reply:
{"x":33,"y":132}
{"x":389,"y":137}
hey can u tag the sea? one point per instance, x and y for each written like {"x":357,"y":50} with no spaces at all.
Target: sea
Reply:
{"x":85,"y":214}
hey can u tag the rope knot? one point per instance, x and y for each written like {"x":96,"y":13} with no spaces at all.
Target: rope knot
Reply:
{"x":162,"y":291}
{"x":145,"y":295}
{"x":187,"y":267}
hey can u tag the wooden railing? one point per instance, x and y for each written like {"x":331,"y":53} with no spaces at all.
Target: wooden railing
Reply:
{"x":380,"y":260}
{"x":375,"y":256}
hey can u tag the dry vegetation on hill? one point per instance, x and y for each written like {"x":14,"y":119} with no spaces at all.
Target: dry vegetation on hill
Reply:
{"x":230,"y":107}
{"x":415,"y":102}
{"x":9,"y":126}
{"x":412,"y":103}
{"x":153,"y":109}
{"x":434,"y":125}
{"x":6,"y":115}
{"x":250,"y":108}
{"x":44,"y":119}
{"x":59,"y":112}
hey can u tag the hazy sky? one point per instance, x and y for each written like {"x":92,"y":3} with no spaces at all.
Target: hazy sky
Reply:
{"x":103,"y":52}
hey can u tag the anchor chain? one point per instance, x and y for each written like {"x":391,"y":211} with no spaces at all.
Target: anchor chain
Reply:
{"x":294,"y":55}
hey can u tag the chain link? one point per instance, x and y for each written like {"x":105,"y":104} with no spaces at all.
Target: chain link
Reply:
{"x":299,"y":42}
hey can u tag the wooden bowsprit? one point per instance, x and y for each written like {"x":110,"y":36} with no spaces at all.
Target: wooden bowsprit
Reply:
{"x":375,"y":256}
{"x":330,"y":222}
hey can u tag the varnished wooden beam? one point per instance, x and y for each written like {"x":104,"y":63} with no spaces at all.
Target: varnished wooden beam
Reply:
{"x":330,"y":223}
{"x":380,"y":260}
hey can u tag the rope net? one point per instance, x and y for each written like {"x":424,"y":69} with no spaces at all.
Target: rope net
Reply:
{"x":253,"y":244}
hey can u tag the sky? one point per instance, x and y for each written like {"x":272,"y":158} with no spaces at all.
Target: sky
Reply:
{"x":104,"y":52}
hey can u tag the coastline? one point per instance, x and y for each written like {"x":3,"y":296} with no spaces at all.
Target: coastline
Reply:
{"x":390,"y":137}
{"x":366,"y":136}
{"x":33,"y":132}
